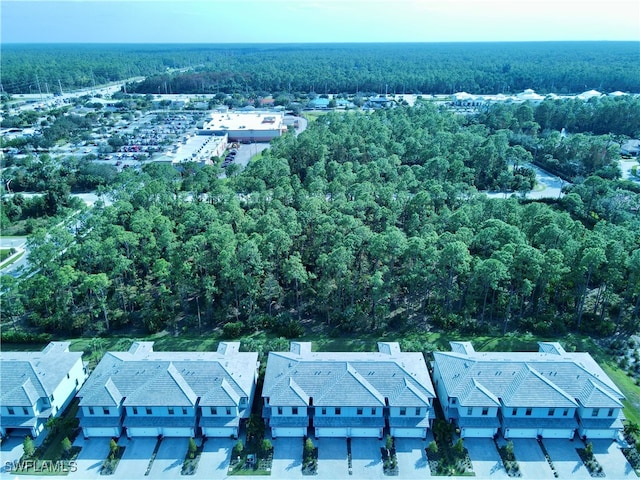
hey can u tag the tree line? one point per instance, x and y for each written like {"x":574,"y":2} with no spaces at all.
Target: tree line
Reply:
{"x":364,"y":222}
{"x":569,"y":67}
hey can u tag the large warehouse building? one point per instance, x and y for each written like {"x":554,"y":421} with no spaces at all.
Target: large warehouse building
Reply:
{"x":246,"y":127}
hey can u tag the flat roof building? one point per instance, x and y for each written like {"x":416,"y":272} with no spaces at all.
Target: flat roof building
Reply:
{"x":246,"y":127}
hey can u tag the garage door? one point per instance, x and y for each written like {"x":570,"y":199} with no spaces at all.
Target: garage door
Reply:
{"x":177,"y":432}
{"x":219,"y":431}
{"x":89,"y":432}
{"x":408,"y":432}
{"x":331,"y":432}
{"x":521,"y":433}
{"x":598,"y":433}
{"x":556,"y":433}
{"x":288,"y":432}
{"x":365,"y":432}
{"x":143,"y":432}
{"x":468,"y":432}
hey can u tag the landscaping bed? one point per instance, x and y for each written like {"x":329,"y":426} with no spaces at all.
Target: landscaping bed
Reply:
{"x":309,"y":457}
{"x":192,"y":457}
{"x":508,"y":459}
{"x":389,"y":458}
{"x":445,"y":457}
{"x":256,"y":457}
{"x":111,"y":463}
{"x":590,"y":461}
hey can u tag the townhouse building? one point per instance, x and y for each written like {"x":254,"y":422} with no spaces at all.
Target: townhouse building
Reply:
{"x":37,"y":386}
{"x":550,"y":393}
{"x":347,"y":394}
{"x":177,"y":394}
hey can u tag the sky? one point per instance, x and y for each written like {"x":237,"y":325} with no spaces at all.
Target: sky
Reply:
{"x":313,"y":21}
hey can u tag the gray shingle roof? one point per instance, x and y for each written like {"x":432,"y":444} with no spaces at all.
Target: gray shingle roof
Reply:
{"x":143,"y":377}
{"x":347,"y":378}
{"x":27,"y":376}
{"x":550,"y":377}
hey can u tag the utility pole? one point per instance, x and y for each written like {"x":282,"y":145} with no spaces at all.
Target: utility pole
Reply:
{"x":39,"y":89}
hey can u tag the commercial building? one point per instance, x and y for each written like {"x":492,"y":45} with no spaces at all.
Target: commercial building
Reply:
{"x":246,"y":127}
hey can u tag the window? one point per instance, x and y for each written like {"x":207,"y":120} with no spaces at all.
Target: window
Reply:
{"x":373,"y":411}
{"x":324,"y":410}
{"x":91,"y":412}
{"x":228,"y":411}
{"x":453,"y":401}
{"x":184,"y":411}
{"x":26,"y":412}
{"x":294,"y":410}
{"x":470,"y":411}
{"x":528,"y":412}
{"x":279,"y":410}
{"x":610,"y":414}
{"x":565,"y":412}
{"x":403,"y":411}
{"x":485,"y":411}
{"x":243,"y":400}
{"x":595,"y":412}
{"x":171,"y":411}
{"x":105,"y":410}
{"x":514,"y":412}
{"x":338,"y":410}
{"x":135,"y":410}
{"x":359,"y":411}
{"x":68,"y":376}
{"x":149,"y":411}
{"x":214,"y":410}
{"x":418,"y":409}
{"x":11,"y":411}
{"x":551,"y":412}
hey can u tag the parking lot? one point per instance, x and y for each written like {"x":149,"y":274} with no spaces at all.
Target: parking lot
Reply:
{"x":332,"y":459}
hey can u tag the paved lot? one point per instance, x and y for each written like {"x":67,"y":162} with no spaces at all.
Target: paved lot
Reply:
{"x":531,"y":459}
{"x":485,"y":458}
{"x":565,"y":458}
{"x":92,"y":456}
{"x":412,"y":458}
{"x":214,"y":461}
{"x":287,"y":458}
{"x":366,"y":460}
{"x":168,"y":462}
{"x":332,"y":458}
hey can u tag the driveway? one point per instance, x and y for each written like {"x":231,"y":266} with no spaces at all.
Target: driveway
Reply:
{"x":332,"y":458}
{"x":135,"y":460}
{"x":412,"y":458}
{"x":612,"y":460}
{"x":287,"y":458}
{"x":530,"y":458}
{"x":565,"y":458}
{"x":168,"y":462}
{"x":214,"y":461}
{"x":366,"y":459}
{"x":10,"y":451}
{"x":93,"y":454}
{"x":485,"y":458}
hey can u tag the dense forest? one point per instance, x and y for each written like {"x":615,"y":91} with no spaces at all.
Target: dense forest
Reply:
{"x":364,"y":222}
{"x":429,"y":68}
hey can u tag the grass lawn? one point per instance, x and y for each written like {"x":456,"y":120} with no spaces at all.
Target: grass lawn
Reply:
{"x":4,"y":254}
